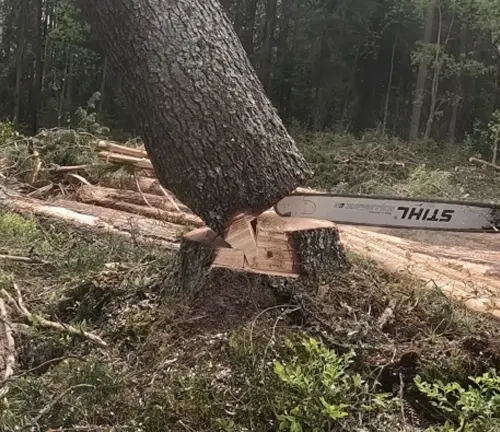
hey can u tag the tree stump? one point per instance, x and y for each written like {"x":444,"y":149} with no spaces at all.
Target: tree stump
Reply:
{"x":268,"y":245}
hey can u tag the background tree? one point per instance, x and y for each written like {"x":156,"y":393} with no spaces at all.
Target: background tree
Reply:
{"x":326,"y":65}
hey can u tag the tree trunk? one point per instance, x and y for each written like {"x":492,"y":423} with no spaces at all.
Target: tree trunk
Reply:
{"x":102,"y":87}
{"x":19,"y":62}
{"x":422,"y":74}
{"x":37,"y":91}
{"x":212,"y":134}
{"x":265,"y":64}
{"x":69,"y":83}
{"x":389,"y":88}
{"x":248,"y":30}
{"x":438,"y":62}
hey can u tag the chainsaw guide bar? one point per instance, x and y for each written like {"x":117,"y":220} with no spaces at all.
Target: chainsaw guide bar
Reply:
{"x":393,"y":212}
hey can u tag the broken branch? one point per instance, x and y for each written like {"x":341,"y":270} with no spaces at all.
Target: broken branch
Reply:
{"x":484,"y":163}
{"x":32,"y":319}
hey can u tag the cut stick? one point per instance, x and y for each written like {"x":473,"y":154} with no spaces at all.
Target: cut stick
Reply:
{"x":484,"y":163}
{"x":22,"y":259}
{"x":165,"y":193}
{"x":117,"y":148}
{"x":69,"y":168}
{"x":126,"y":160}
{"x":9,"y":348}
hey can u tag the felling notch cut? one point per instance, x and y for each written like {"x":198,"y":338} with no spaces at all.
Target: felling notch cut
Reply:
{"x":269,"y":244}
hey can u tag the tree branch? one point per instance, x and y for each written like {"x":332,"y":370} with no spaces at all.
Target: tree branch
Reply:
{"x":23,"y":311}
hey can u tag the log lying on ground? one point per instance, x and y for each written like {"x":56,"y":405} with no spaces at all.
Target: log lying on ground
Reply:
{"x":174,"y":217}
{"x":85,"y":218}
{"x":462,"y":274}
{"x":108,"y":196}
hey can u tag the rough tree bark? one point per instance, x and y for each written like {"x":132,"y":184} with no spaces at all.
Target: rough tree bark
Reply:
{"x":213,"y":136}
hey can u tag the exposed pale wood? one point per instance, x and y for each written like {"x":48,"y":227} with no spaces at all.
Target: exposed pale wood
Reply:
{"x":117,"y":148}
{"x":240,"y":235}
{"x":126,"y":160}
{"x":484,"y":163}
{"x":273,"y":244}
{"x":107,"y":196}
{"x":275,"y":249}
{"x":230,"y":258}
{"x":69,"y":168}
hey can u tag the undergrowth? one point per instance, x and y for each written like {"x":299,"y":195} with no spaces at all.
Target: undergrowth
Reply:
{"x":379,"y":165}
{"x":431,"y":368}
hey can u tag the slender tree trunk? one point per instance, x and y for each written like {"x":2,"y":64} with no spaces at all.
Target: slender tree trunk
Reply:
{"x":284,"y":57}
{"x":438,"y":62}
{"x":102,"y":87}
{"x":63,"y":87}
{"x":213,"y":136}
{"x":398,"y":102}
{"x":69,"y":82}
{"x":248,"y":31}
{"x":495,"y":146}
{"x":389,"y":87}
{"x":343,"y":125}
{"x":319,"y":96}
{"x":19,"y":62}
{"x":37,"y":91}
{"x":422,"y":74}
{"x":266,"y":59}
{"x":458,"y":91}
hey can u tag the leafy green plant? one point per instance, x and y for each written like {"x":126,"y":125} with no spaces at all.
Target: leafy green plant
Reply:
{"x":472,"y":409}
{"x":318,"y":391}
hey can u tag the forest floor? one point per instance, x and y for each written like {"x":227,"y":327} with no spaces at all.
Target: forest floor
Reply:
{"x":376,"y":349}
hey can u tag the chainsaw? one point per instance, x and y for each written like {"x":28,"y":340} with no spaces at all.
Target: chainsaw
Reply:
{"x":393,"y":212}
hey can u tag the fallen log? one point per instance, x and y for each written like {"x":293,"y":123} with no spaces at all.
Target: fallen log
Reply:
{"x":175,"y":217}
{"x":106,"y":197}
{"x":484,"y":163}
{"x":88,"y":218}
